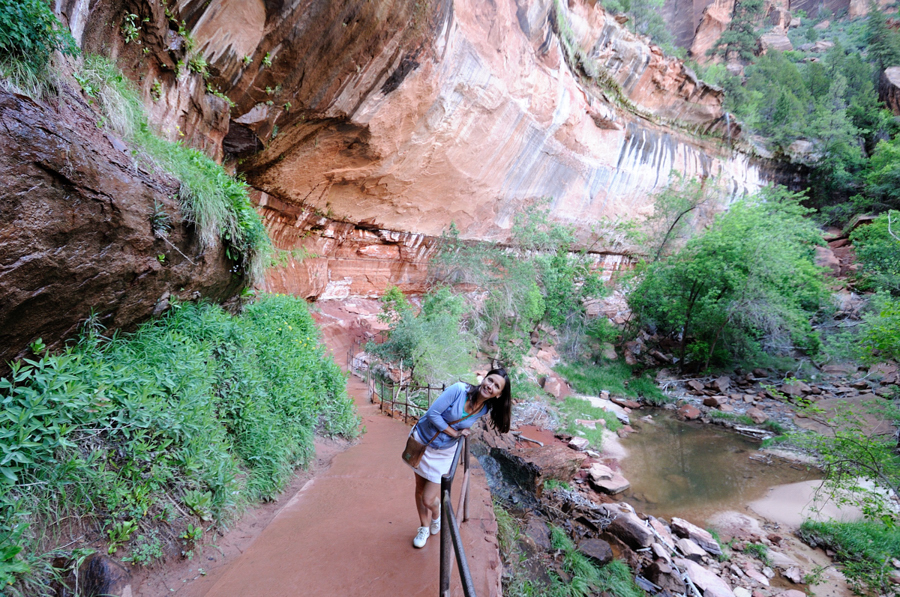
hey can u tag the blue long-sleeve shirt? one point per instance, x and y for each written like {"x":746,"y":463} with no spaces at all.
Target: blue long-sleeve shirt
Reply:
{"x":450,"y":406}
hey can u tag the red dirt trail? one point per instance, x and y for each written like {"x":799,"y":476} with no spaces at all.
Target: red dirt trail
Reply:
{"x":349,"y":530}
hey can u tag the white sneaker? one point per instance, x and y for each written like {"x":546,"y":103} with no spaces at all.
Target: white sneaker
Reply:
{"x":435,"y":527}
{"x":421,"y":537}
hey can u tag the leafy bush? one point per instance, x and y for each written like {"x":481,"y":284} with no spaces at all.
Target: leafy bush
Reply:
{"x":539,"y":278}
{"x":200,"y":407}
{"x":29,"y":34}
{"x":434,"y":345}
{"x":747,"y":284}
{"x":878,"y":251}
{"x":879,"y":338}
{"x":210,"y":198}
{"x":866,"y":549}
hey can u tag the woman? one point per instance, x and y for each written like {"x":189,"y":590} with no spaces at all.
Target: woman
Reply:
{"x":461,"y":404}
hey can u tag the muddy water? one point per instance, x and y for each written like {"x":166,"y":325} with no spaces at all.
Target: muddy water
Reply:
{"x":693,"y":471}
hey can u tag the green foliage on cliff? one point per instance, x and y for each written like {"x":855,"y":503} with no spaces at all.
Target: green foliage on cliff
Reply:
{"x":877,"y":247}
{"x":29,"y":34}
{"x":745,"y":286}
{"x":182,"y":422}
{"x":212,"y":199}
{"x":821,"y":109}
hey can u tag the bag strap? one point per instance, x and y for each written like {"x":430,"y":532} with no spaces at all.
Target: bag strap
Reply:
{"x":449,"y":425}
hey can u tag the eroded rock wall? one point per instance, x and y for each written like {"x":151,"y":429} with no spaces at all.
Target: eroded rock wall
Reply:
{"x":76,"y":230}
{"x":403,"y":116}
{"x":490,"y":119}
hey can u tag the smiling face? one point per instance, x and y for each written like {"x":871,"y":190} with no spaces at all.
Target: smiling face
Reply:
{"x":491,"y":387}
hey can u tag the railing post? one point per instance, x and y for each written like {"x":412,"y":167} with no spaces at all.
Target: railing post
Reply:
{"x":446,"y":546}
{"x":465,"y":497}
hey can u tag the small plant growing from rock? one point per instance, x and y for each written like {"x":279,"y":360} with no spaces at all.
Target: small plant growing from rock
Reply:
{"x":131,"y":28}
{"x":267,"y":59}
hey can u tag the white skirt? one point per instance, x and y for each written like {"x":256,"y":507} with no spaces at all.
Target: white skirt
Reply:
{"x":435,"y":463}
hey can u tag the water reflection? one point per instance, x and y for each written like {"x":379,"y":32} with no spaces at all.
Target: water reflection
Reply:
{"x":694,"y":470}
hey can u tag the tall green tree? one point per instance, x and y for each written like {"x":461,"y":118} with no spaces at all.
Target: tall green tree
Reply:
{"x":741,"y":37}
{"x":748,"y":284}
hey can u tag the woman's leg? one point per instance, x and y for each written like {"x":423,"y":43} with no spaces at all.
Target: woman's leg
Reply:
{"x":428,"y":500}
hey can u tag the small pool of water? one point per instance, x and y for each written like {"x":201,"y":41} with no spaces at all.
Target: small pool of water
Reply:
{"x":692,"y":471}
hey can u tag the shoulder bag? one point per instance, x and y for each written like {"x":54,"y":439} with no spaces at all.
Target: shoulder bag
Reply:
{"x":414,"y":450}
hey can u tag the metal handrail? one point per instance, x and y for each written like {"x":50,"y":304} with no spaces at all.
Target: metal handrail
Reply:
{"x":451,"y":541}
{"x":450,"y":537}
{"x":386,"y":391}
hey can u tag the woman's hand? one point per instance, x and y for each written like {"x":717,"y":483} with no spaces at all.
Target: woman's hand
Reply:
{"x":464,"y":433}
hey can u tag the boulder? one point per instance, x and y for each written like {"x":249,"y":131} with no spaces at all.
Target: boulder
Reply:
{"x":758,"y":416}
{"x":691,"y":550}
{"x":775,"y":40}
{"x":665,"y":577}
{"x":889,"y":89}
{"x":77,"y":235}
{"x":696,"y":386}
{"x":822,"y":26}
{"x":826,"y":258}
{"x":662,"y":530}
{"x":709,"y":583}
{"x":539,"y":532}
{"x":101,"y":575}
{"x":529,"y":467}
{"x":605,"y":479}
{"x":722,"y":384}
{"x":553,"y":386}
{"x":712,"y":401}
{"x":703,"y":538}
{"x":688,"y":412}
{"x":625,"y":403}
{"x":795,"y":389}
{"x":579,"y":444}
{"x":628,"y":527}
{"x":596,"y":549}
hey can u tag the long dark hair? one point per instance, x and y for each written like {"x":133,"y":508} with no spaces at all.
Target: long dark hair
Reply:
{"x":500,"y":407}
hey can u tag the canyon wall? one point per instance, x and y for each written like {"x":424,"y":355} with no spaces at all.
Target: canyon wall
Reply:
{"x":366,"y":127}
{"x":407,"y":116}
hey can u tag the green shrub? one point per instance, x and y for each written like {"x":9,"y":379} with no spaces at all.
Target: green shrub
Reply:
{"x":201,"y":408}
{"x":747,"y":285}
{"x":29,"y":34}
{"x":615,"y":377}
{"x":879,"y":338}
{"x":865,"y":548}
{"x":433,"y":345}
{"x":877,"y":250}
{"x":216,"y":202}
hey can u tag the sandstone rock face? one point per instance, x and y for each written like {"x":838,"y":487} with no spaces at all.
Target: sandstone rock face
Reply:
{"x":404,"y":117}
{"x":889,"y":89}
{"x":76,"y":230}
{"x":775,"y":40}
{"x":489,"y":119}
{"x":711,"y":25}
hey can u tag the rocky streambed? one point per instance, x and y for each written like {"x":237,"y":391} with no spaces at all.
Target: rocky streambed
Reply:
{"x":694,"y":464}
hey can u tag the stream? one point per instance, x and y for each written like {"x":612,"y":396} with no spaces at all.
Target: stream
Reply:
{"x":692,"y":471}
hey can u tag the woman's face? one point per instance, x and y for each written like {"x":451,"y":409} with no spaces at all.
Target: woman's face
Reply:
{"x":492,"y":386}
